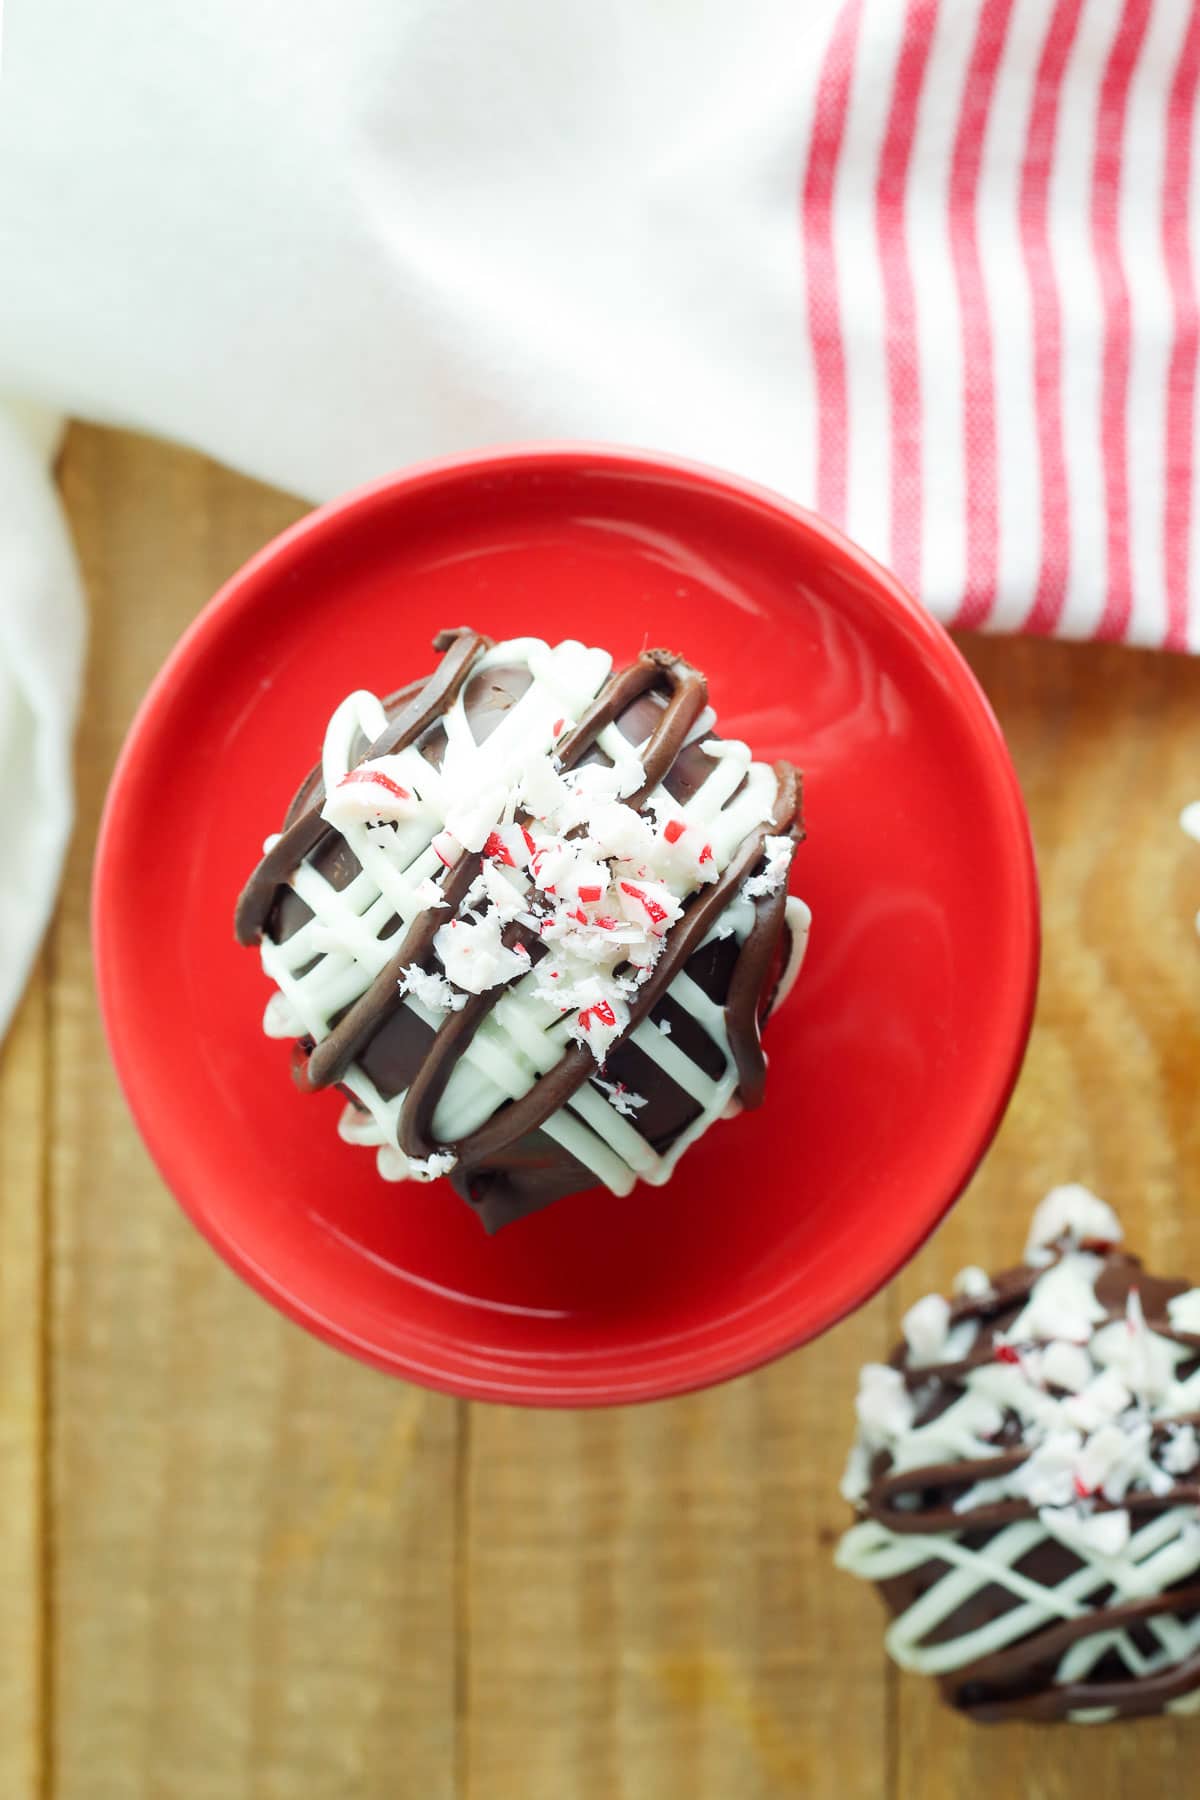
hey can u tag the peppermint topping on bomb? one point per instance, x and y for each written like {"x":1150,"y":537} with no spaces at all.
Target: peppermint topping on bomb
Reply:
{"x":1027,"y":1471}
{"x":529,"y":914}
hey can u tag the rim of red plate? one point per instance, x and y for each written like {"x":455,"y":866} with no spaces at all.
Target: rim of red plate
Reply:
{"x":699,"y":1369}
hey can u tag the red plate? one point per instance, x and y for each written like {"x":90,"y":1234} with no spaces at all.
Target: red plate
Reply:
{"x":890,"y":1065}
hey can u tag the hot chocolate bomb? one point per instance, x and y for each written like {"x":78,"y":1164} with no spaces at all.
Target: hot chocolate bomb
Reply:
{"x":1027,"y":1473}
{"x":529,"y":914}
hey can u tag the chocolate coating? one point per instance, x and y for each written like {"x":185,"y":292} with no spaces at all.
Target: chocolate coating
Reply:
{"x":1021,"y":1680}
{"x":510,"y":1167}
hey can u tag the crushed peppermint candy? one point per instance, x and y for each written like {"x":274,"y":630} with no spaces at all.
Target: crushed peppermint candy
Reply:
{"x":1184,"y":1312}
{"x":1090,"y":1534}
{"x":427,"y":893}
{"x":619,"y":1097}
{"x":778,"y":852}
{"x":446,"y":848}
{"x":972,"y":1282}
{"x":473,"y":955}
{"x":562,"y":852}
{"x":375,"y":791}
{"x":1101,"y":1408}
{"x":599,"y":1025}
{"x":432,"y":990}
{"x":1075,"y":1212}
{"x":925,"y":1327}
{"x":429,"y":1168}
{"x":1181,"y":1452}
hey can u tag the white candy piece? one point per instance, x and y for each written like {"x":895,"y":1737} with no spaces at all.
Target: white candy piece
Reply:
{"x":473,"y":956}
{"x":649,"y":905}
{"x":598,"y":1025}
{"x":430,"y":1168}
{"x":432,"y":990}
{"x":1066,"y":1366}
{"x":619,"y":832}
{"x":473,"y":818}
{"x":625,"y":1102}
{"x":1104,"y":1398}
{"x":542,"y":792}
{"x":427,"y":893}
{"x":884,"y":1405}
{"x":1102,"y":1416}
{"x":1094,"y":1536}
{"x":1047,"y":1478}
{"x":446,"y":847}
{"x":375,"y":790}
{"x":1072,"y":1211}
{"x":779,"y":852}
{"x":925,"y":1327}
{"x":1184,"y":1312}
{"x":1181,"y":1453}
{"x":972,"y":1282}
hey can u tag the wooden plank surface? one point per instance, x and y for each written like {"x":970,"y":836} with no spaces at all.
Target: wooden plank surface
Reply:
{"x":1107,"y":745}
{"x":23,"y":1716}
{"x":254,"y":1540}
{"x":236,"y":1565}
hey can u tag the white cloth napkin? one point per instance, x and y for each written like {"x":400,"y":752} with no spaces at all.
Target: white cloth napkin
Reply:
{"x":41,"y":642}
{"x":927,"y":265}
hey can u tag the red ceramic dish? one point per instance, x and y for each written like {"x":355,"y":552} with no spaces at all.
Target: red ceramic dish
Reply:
{"x":890,"y":1065}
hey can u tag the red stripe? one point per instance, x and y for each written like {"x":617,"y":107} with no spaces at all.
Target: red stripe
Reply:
{"x":979,"y":405}
{"x":904,"y":391}
{"x":820,"y":260}
{"x":1047,"y":318}
{"x":1181,"y":377}
{"x":377,"y":778}
{"x":1114,"y":289}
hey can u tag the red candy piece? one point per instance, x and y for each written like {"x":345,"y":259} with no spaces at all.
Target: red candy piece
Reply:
{"x":655,"y":913}
{"x":602,"y":1011}
{"x":577,"y":913}
{"x":1083,"y":1492}
{"x":557,"y":727}
{"x":1005,"y":1353}
{"x":606,"y":922}
{"x":706,"y":854}
{"x":498,"y":850}
{"x":673,"y":830}
{"x":529,"y":843}
{"x":589,"y":894}
{"x":380,"y":780}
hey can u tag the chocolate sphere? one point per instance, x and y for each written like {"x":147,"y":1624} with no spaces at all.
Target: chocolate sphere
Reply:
{"x":1027,"y":1475}
{"x":530,"y":914}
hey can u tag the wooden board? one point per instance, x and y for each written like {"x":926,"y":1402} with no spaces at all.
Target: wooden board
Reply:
{"x":23,"y":1438}
{"x":237,"y":1566}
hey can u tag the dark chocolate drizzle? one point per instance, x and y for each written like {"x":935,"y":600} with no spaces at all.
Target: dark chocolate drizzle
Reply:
{"x":1018,"y":1681}
{"x":506,"y":1167}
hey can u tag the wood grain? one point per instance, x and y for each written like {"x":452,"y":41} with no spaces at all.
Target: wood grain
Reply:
{"x":652,"y":1607}
{"x":22,"y":1399}
{"x":259,"y":1571}
{"x":254,"y":1538}
{"x":1107,"y":745}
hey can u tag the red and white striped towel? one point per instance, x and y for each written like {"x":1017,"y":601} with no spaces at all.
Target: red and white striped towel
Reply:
{"x":928,"y":265}
{"x":996,"y":211}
